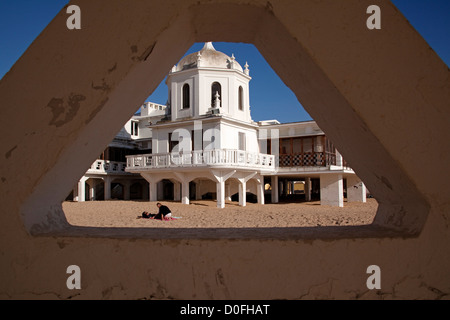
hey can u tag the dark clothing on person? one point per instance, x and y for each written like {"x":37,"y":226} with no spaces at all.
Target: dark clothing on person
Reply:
{"x":163,"y":211}
{"x":147,"y":215}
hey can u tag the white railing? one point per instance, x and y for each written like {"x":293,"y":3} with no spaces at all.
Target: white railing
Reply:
{"x":106,"y":166}
{"x":216,"y":157}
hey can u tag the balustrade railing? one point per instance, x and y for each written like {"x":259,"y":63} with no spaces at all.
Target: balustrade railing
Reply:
{"x":225,"y":157}
{"x":107,"y":166}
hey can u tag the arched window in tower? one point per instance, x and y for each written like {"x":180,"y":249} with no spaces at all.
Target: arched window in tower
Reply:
{"x":216,"y":88}
{"x":241,"y":98}
{"x":186,"y":97}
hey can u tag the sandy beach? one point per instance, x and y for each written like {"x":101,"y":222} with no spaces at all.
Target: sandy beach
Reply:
{"x":205,"y":214}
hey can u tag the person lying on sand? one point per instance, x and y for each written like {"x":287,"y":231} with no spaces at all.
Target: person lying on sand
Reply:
{"x":163,"y":213}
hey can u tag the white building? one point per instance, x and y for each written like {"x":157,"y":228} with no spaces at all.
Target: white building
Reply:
{"x":204,"y":143}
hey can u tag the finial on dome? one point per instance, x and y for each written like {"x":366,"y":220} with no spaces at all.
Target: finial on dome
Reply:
{"x":208,"y":46}
{"x":246,"y":70}
{"x":232,"y":59}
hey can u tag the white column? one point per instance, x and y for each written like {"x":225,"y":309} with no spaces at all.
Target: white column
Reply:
{"x":153,"y":191}
{"x":82,"y":189}
{"x":185,"y":192}
{"x":331,"y":190}
{"x":274,"y":185}
{"x":260,"y":190}
{"x":220,"y":190}
{"x":220,"y":178}
{"x":184,"y":180}
{"x":107,"y":190}
{"x":308,"y":189}
{"x":243,"y":179}
{"x":176,"y":190}
{"x":243,"y":193}
{"x":227,"y":191}
{"x":356,"y":189}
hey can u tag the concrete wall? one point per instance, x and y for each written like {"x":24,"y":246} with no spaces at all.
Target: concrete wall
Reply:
{"x":367,"y":90}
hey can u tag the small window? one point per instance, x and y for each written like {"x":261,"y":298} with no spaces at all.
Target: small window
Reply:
{"x":241,"y":98}
{"x":186,"y":97}
{"x":173,"y":143}
{"x":242,"y":141}
{"x":134,"y":128}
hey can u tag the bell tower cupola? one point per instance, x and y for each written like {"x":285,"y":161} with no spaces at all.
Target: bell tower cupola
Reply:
{"x":209,"y":82}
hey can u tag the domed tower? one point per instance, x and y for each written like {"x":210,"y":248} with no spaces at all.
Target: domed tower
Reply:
{"x":209,"y":82}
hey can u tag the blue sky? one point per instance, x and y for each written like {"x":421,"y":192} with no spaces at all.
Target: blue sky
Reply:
{"x":21,"y":21}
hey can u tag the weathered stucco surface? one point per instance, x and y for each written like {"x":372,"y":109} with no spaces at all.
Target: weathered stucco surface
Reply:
{"x":380,"y":95}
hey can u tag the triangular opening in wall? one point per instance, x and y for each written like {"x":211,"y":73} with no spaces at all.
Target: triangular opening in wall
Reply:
{"x":302,"y":152}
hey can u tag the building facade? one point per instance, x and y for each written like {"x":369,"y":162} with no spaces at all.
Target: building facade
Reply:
{"x":204,"y":144}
